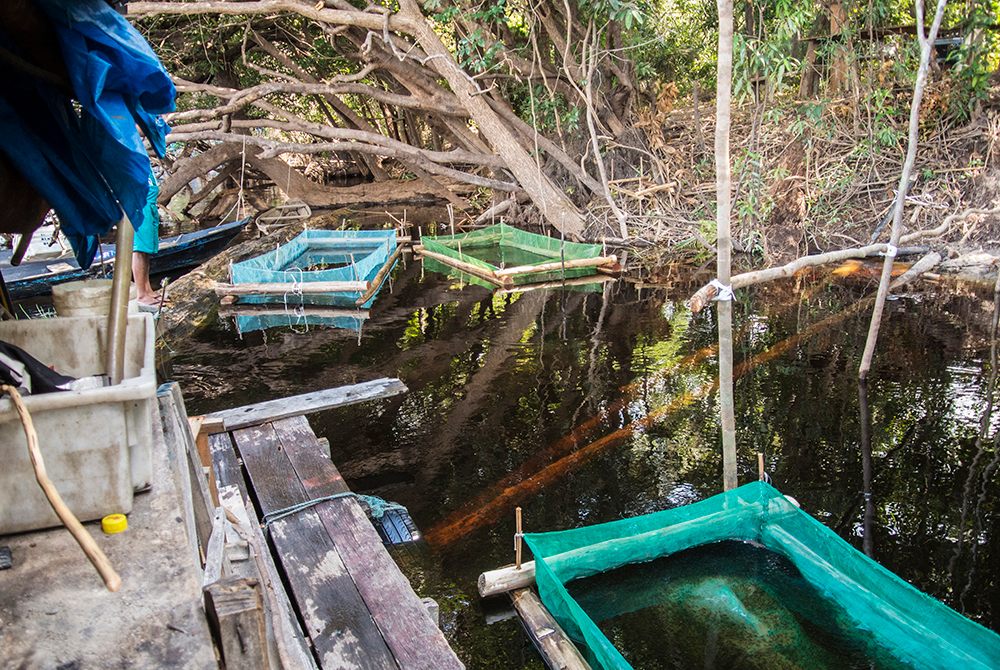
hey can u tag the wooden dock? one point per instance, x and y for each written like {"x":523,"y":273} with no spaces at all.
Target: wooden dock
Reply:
{"x":351,"y":607}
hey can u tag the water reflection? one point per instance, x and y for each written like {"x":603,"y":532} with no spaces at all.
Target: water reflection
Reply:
{"x":588,"y":407}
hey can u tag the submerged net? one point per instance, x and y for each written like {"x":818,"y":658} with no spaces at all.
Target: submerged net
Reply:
{"x":320,"y":255}
{"x":502,"y":246}
{"x":294,"y":319}
{"x":892,"y":618}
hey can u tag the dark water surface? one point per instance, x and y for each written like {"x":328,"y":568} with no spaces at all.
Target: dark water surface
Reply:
{"x":588,"y":407}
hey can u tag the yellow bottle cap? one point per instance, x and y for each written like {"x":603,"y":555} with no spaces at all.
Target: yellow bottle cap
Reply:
{"x":114,"y":523}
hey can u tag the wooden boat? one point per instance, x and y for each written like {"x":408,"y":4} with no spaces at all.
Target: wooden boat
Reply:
{"x":35,"y":278}
{"x":889,"y":621}
{"x":505,"y":256}
{"x":326,"y":267}
{"x":283,"y":215}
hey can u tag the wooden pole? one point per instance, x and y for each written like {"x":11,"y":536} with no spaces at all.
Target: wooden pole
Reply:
{"x":118,"y":317}
{"x":760,"y":465}
{"x":467,"y":268}
{"x":291,"y":287}
{"x":73,"y":525}
{"x":518,"y":536}
{"x":926,"y":47}
{"x":376,"y":282}
{"x":557,"y":265}
{"x":723,"y":187}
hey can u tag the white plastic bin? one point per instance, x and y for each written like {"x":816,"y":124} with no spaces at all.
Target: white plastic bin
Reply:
{"x":97,"y":444}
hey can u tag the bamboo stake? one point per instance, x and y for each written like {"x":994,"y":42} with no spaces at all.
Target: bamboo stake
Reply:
{"x":518,"y":536}
{"x":723,"y":188}
{"x":376,"y":282}
{"x":73,"y":525}
{"x":558,"y":265}
{"x":467,"y":268}
{"x":926,"y":46}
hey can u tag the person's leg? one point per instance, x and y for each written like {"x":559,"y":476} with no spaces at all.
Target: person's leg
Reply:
{"x":140,"y":273}
{"x":147,"y":242}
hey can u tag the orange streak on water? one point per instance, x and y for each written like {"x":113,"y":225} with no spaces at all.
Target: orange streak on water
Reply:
{"x":532,"y":476}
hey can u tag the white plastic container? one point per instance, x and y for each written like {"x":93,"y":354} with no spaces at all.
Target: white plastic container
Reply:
{"x":97,"y":444}
{"x":90,"y":297}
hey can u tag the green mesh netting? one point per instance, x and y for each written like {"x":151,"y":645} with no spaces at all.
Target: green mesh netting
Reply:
{"x":897,"y":618}
{"x":503,"y":246}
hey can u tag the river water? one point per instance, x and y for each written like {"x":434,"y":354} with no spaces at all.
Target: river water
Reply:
{"x":584,"y":407}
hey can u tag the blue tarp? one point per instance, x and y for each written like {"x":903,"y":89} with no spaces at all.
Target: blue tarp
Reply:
{"x":87,"y":159}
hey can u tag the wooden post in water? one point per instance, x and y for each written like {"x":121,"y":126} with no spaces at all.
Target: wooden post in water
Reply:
{"x":518,"y":536}
{"x":723,"y":187}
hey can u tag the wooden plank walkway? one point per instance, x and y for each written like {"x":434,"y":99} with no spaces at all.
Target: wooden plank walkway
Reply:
{"x":356,"y":607}
{"x":341,"y":396}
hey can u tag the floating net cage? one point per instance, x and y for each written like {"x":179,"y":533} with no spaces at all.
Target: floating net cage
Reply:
{"x":896,"y":624}
{"x":501,"y":255}
{"x":298,"y":318}
{"x":321,"y":256}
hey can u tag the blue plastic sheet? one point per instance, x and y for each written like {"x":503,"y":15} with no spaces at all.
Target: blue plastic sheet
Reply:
{"x":88,"y":160}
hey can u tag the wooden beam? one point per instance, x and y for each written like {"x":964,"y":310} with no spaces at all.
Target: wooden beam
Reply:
{"x":467,"y":268}
{"x":556,"y":284}
{"x":551,"y":641}
{"x":554,"y":266}
{"x":215,"y":555}
{"x":376,"y":283}
{"x":177,"y":454}
{"x":317,"y":401}
{"x":177,"y":430}
{"x":509,"y":578}
{"x":236,"y":612}
{"x":291,"y":288}
{"x":201,"y":428}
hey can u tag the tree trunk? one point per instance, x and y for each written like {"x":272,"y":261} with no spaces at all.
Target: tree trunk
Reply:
{"x":723,"y":187}
{"x":926,"y":47}
{"x":552,"y":202}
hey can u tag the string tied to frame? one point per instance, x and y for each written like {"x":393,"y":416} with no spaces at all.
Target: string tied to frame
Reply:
{"x":377,"y":507}
{"x":723,"y":292}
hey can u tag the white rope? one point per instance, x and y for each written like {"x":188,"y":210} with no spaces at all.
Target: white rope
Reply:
{"x":723,"y":293}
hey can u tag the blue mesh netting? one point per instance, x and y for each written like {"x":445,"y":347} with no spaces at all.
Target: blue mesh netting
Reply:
{"x":321,"y":256}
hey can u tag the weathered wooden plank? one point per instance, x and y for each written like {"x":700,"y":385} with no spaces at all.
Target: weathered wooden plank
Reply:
{"x":225,"y":463}
{"x":551,"y":641}
{"x":200,"y":429}
{"x":176,"y":452}
{"x":236,"y":611}
{"x":335,"y":616}
{"x":216,"y":564}
{"x":290,"y":644}
{"x":341,"y":396}
{"x":308,"y":458}
{"x":176,"y":429}
{"x":404,"y":621}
